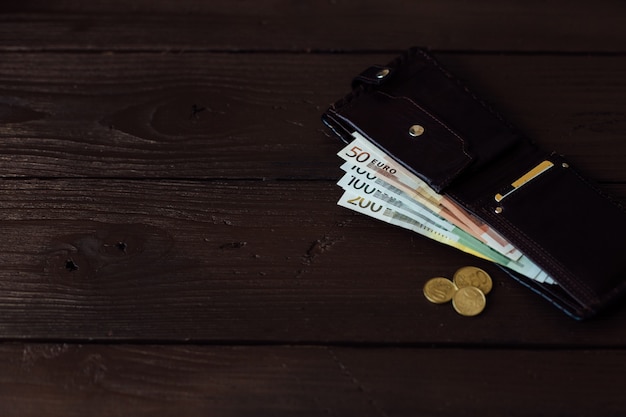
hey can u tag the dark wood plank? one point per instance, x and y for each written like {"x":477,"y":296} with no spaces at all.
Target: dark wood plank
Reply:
{"x":195,"y":25}
{"x":258,"y":115}
{"x":166,"y":179}
{"x":75,"y":380}
{"x":490,"y":382}
{"x":192,"y":381}
{"x":246,"y":262}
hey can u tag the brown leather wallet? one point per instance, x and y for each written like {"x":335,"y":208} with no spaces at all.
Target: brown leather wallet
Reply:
{"x":468,"y":152}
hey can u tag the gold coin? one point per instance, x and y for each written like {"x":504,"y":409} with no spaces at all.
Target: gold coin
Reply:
{"x":439,"y":290}
{"x":471,"y":276}
{"x":469,"y":301}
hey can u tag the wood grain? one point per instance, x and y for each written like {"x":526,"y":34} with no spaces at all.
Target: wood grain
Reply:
{"x":282,"y":25}
{"x":241,"y":262}
{"x":74,"y":380}
{"x":170,"y":240}
{"x":258,"y":116}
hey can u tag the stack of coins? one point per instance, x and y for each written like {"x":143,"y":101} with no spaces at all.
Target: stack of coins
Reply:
{"x":467,"y":290}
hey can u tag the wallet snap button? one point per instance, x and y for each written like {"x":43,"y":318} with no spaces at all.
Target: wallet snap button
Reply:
{"x":382,"y":73}
{"x":416,"y":130}
{"x":498,"y":210}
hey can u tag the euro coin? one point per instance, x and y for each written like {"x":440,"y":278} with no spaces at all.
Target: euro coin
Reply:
{"x":471,"y":276}
{"x":439,"y":290}
{"x":469,"y":301}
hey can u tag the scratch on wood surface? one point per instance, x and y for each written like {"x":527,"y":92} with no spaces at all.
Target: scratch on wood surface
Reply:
{"x":318,"y":247}
{"x":233,"y":245}
{"x":91,"y":371}
{"x":359,"y":386}
{"x":31,"y":354}
{"x":295,"y":123}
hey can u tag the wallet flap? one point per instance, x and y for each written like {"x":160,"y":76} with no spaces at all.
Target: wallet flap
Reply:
{"x":409,"y":134}
{"x":427,"y":121}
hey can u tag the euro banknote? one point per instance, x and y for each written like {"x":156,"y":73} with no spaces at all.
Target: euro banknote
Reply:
{"x":377,"y":186}
{"x":366,"y":155}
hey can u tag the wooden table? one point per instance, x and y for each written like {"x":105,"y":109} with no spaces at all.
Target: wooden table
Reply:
{"x":170,"y":239}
